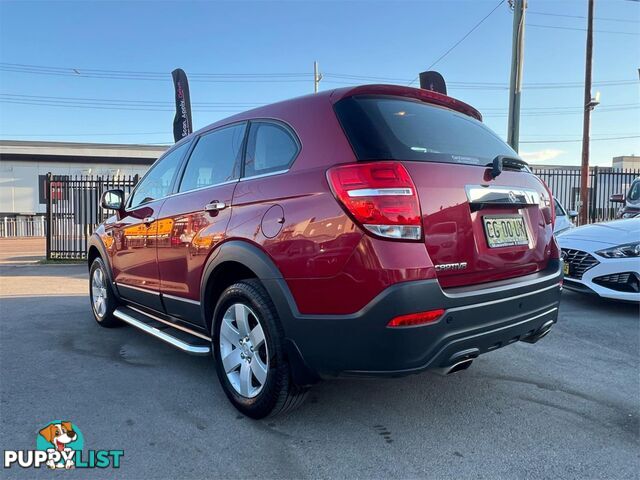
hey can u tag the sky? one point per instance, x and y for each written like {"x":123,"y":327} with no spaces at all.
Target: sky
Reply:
{"x":100,"y":71}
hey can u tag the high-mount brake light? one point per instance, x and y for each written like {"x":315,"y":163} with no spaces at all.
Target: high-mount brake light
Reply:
{"x":380,"y":196}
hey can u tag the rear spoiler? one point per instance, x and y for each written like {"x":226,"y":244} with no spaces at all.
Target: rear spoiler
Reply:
{"x":427,"y":96}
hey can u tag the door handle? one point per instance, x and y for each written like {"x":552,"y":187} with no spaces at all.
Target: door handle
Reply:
{"x":215,"y":206}
{"x":148,"y":220}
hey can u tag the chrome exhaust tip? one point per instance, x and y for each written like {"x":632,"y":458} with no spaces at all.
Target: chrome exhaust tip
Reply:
{"x":542,"y":332}
{"x":456,"y":367}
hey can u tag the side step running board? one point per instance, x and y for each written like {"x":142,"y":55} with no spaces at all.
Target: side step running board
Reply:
{"x":135,"y":319}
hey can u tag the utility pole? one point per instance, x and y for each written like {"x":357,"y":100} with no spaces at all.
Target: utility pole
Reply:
{"x":517,"y":62}
{"x":317,"y":76}
{"x":588,"y":106}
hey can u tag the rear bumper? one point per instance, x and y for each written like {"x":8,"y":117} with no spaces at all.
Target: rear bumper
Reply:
{"x":476,"y":320}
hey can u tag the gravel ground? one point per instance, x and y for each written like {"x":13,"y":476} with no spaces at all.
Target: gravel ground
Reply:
{"x":567,"y":407}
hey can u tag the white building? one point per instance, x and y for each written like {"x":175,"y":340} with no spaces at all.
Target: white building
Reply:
{"x":25,"y":164}
{"x":626,"y":162}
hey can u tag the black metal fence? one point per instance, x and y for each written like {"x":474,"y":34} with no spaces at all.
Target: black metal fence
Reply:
{"x":74,"y":211}
{"x":603,"y":182}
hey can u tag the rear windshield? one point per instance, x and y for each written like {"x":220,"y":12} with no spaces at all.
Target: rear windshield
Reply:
{"x":390,"y":128}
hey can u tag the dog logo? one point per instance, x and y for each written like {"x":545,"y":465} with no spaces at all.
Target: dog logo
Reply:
{"x":60,"y":445}
{"x":63,"y":438}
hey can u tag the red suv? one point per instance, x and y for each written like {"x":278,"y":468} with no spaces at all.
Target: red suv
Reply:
{"x":375,"y":230}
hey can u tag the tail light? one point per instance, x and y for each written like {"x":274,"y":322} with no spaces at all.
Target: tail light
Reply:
{"x":380,"y":196}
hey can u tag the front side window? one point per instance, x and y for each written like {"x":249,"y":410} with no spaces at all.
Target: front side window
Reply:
{"x":391,"y":128}
{"x":270,"y":148}
{"x":215,"y":158}
{"x":157,"y":183}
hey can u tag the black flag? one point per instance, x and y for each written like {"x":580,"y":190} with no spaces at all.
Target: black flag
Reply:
{"x":433,"y":81}
{"x":182,"y":122}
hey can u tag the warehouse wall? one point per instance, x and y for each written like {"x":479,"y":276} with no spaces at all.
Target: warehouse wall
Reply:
{"x":19,"y":181}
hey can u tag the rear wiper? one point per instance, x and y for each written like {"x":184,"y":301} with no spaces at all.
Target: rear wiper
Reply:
{"x":504,"y":161}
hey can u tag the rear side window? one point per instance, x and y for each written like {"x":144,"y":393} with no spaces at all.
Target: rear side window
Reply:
{"x":390,"y":128}
{"x":271,"y":147}
{"x":157,"y":183}
{"x":215,"y":158}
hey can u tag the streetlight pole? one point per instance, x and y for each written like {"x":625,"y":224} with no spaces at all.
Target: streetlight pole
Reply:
{"x":588,"y":106}
{"x":517,"y":63}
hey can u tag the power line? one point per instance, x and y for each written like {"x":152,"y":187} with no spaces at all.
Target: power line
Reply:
{"x":144,"y":108}
{"x":338,"y":78}
{"x":580,"y":140}
{"x":474,"y":85}
{"x":557,"y":27}
{"x":462,"y":39}
{"x":170,"y":104}
{"x":582,"y":17}
{"x":101,"y":134}
{"x":127,"y":102}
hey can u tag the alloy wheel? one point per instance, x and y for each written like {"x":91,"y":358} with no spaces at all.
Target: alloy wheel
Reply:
{"x":243,"y":350}
{"x":99,"y":292}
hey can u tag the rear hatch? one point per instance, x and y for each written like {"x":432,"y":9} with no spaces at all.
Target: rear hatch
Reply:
{"x":477,"y":228}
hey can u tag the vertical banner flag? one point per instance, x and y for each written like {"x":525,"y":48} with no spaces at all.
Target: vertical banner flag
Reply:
{"x":182,"y":122}
{"x":433,"y":81}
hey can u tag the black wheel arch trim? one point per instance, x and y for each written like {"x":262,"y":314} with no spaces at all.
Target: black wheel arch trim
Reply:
{"x":96,"y":242}
{"x":256,"y":260}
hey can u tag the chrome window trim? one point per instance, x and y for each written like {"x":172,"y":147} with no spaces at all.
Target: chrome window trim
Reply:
{"x":181,"y":299}
{"x":176,"y":194}
{"x":262,"y":175}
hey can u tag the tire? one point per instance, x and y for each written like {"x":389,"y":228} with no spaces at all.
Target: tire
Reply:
{"x":100,"y":289}
{"x":276,"y":393}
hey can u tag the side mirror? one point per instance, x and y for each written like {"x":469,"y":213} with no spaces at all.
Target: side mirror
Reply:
{"x":572,"y":214}
{"x":617,"y":198}
{"x":112,"y":199}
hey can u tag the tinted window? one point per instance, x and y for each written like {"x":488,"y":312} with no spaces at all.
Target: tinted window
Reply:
{"x":559,"y":208}
{"x":215,"y":158}
{"x":157,"y":183}
{"x":634,"y":192}
{"x":398,"y":129}
{"x":270,"y":148}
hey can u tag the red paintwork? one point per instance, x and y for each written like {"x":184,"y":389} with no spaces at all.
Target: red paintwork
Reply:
{"x":330,"y":265}
{"x":194,"y":235}
{"x":133,"y":253}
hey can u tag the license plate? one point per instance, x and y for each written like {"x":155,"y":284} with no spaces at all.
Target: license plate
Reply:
{"x":565,"y":269}
{"x":505,"y":230}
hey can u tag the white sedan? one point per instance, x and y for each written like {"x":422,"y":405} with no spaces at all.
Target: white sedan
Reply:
{"x":603,"y":259}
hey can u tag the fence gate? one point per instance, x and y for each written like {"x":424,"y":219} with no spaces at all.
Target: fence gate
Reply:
{"x":74,"y":211}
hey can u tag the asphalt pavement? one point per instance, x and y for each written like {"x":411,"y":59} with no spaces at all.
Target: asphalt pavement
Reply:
{"x":566,"y":407}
